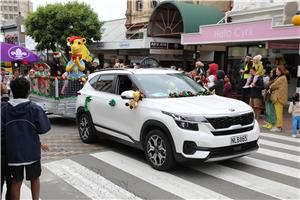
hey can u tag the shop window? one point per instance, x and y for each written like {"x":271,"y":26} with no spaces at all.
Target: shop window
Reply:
{"x":16,"y":8}
{"x":11,"y":16}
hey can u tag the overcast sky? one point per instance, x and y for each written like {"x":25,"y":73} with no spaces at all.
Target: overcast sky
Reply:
{"x":106,"y":9}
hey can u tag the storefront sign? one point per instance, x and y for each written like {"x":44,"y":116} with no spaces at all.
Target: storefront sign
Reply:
{"x":281,"y":45}
{"x":188,"y":57}
{"x":100,"y":46}
{"x":158,"y":45}
{"x":175,"y":46}
{"x":237,"y":32}
{"x":133,"y":53}
{"x":124,"y":45}
{"x":165,"y":51}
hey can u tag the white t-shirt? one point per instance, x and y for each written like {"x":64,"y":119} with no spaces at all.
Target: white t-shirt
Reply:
{"x":211,"y":80}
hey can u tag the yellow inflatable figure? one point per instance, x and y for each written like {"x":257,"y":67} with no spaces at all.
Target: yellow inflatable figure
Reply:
{"x":76,"y":65}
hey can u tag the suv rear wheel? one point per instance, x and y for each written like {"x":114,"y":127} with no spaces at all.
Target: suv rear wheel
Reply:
{"x":85,"y":129}
{"x":159,"y":151}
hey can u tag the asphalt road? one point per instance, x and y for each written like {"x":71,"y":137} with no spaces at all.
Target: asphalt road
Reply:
{"x":109,"y":170}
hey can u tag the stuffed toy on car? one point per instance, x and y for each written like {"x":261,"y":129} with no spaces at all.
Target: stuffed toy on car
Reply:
{"x":137,"y":96}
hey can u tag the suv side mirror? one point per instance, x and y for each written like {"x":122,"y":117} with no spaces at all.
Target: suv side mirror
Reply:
{"x":127,"y":94}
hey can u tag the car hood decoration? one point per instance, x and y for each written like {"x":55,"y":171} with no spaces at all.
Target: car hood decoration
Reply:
{"x":190,"y":94}
{"x":201,"y":105}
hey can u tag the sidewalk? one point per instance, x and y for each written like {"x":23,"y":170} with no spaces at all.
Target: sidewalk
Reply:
{"x":287,"y":127}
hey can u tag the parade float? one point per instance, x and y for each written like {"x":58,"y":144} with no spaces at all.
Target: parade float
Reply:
{"x":58,"y":94}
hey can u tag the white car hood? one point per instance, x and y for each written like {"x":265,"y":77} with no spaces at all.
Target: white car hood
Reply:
{"x":204,"y":105}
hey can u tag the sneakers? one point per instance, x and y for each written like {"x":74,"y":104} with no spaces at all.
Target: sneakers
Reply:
{"x":295,"y":135}
{"x":265,"y":126}
{"x":270,"y":126}
{"x":266,"y":122}
{"x":246,"y":86}
{"x":276,"y":129}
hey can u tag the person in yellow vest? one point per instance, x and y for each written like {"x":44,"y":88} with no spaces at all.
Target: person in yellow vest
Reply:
{"x":245,"y":72}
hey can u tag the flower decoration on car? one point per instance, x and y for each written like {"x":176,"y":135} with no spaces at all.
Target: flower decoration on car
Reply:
{"x":112,"y":102}
{"x":190,"y":94}
{"x":87,"y":100}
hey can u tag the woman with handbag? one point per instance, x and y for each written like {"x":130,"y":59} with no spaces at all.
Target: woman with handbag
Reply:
{"x":270,"y":108}
{"x":279,"y":95}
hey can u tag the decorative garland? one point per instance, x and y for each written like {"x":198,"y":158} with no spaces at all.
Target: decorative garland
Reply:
{"x":87,"y":100}
{"x":112,"y":102}
{"x":52,"y":97}
{"x":190,"y":94}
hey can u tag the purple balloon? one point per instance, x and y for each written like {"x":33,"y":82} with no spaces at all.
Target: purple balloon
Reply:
{"x":13,"y":52}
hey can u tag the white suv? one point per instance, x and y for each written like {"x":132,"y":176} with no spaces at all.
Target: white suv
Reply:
{"x":169,"y":130}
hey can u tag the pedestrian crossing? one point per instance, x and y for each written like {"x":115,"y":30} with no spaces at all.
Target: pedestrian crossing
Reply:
{"x":123,"y":175}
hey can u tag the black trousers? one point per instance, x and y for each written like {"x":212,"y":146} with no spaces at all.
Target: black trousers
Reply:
{"x":6,"y":177}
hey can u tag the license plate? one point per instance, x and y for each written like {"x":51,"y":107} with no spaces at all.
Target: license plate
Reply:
{"x":238,"y":139}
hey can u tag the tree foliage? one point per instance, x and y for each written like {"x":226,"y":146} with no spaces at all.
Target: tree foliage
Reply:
{"x":51,"y":24}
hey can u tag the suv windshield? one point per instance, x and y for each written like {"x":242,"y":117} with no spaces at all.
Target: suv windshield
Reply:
{"x":161,"y":85}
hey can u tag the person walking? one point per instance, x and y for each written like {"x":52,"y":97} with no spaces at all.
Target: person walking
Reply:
{"x":270,"y":109}
{"x":279,"y":95}
{"x":295,"y":110}
{"x":255,"y":93}
{"x":245,"y":72}
{"x":21,"y":122}
{"x":219,"y":85}
{"x":228,"y":86}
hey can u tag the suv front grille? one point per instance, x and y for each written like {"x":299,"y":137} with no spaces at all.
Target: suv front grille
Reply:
{"x":226,"y":122}
{"x":232,"y":150}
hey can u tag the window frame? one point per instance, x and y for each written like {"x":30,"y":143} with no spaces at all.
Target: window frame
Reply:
{"x":10,"y":8}
{"x":117,"y":87}
{"x":113,"y":83}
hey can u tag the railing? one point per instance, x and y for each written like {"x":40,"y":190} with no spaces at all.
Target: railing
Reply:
{"x":56,"y":87}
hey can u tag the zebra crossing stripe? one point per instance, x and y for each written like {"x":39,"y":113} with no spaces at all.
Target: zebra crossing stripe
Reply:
{"x":262,"y":185}
{"x":284,"y":170}
{"x":281,"y":137}
{"x":88,"y":182}
{"x":278,"y":154}
{"x":173,"y":184}
{"x":279,"y":145}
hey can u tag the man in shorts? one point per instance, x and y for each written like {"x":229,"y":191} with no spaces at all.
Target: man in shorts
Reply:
{"x":255,"y":93}
{"x":21,"y":122}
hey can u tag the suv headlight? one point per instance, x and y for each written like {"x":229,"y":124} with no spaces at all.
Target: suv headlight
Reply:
{"x":187,"y":122}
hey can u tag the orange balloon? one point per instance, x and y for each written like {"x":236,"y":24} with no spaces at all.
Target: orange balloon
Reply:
{"x":296,"y":20}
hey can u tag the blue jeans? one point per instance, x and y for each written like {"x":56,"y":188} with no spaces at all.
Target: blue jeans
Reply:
{"x":296,"y":120}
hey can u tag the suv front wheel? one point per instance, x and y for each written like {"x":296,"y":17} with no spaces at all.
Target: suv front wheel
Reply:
{"x":158,"y":151}
{"x":85,"y":129}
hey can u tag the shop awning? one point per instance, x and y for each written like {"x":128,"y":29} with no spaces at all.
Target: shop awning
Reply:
{"x":174,"y":18}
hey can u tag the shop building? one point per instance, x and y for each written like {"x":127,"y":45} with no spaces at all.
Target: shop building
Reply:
{"x":267,"y":31}
{"x":161,"y":40}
